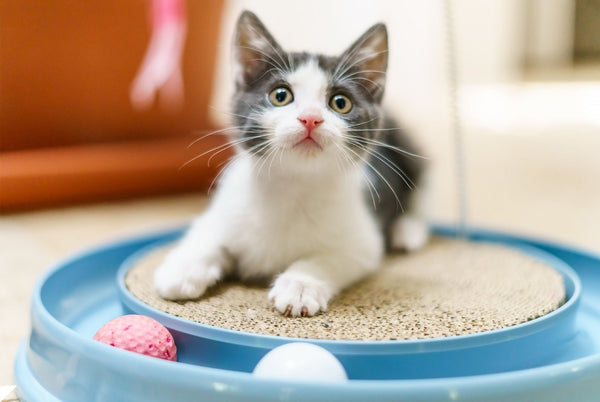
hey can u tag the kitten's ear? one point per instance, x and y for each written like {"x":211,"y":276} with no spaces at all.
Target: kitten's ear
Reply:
{"x":367,"y":58}
{"x":255,"y":50}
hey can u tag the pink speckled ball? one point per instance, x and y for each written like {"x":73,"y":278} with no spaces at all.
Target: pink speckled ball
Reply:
{"x":140,"y":334}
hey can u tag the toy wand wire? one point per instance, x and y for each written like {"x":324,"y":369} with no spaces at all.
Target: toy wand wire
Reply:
{"x":455,"y":123}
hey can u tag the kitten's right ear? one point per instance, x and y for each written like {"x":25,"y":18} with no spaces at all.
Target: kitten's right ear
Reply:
{"x":255,"y":50}
{"x":367,"y":60}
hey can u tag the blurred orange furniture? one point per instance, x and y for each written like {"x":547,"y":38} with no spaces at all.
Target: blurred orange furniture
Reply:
{"x":68,"y":132}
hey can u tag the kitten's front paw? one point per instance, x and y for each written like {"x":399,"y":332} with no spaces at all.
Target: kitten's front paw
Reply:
{"x":183,"y":276}
{"x":295,"y":294}
{"x":409,"y":233}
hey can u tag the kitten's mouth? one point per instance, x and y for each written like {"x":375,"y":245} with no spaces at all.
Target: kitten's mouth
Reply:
{"x":308,"y":142}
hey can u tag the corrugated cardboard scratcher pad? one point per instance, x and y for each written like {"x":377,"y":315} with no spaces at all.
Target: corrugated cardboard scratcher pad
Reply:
{"x":448,"y":288}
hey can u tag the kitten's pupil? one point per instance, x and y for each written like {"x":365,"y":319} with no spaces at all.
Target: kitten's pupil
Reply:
{"x":281,"y":95}
{"x":340,"y":102}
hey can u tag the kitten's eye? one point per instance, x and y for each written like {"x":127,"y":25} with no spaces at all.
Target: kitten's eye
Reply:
{"x":281,"y":97}
{"x":340,"y":104}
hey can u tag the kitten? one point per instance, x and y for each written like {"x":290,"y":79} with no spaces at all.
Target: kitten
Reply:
{"x":321,"y":184}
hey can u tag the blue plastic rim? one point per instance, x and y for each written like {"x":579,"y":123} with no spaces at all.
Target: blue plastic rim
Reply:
{"x":60,"y":361}
{"x":473,"y":354}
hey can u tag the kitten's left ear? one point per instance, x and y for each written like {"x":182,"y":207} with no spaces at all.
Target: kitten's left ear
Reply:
{"x":255,"y":49}
{"x":368,"y":59}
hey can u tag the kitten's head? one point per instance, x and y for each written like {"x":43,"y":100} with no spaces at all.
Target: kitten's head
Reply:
{"x":307,"y":109}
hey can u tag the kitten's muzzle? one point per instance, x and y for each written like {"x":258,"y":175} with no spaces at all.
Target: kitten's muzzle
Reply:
{"x":310,"y":122}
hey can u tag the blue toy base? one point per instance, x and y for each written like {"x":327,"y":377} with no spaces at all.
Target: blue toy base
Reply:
{"x":473,"y":354}
{"x":60,"y":361}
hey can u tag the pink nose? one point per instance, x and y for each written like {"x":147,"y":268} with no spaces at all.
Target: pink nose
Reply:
{"x":310,"y":121}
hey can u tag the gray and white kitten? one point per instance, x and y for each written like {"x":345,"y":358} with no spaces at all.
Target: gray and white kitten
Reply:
{"x":321,"y":184}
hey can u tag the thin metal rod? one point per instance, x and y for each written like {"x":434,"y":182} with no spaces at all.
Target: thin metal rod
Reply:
{"x":456,"y":127}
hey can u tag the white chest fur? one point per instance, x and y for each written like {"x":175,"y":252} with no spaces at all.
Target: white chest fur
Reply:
{"x":268,"y":220}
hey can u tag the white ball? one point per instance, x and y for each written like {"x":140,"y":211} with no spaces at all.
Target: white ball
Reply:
{"x":301,"y":361}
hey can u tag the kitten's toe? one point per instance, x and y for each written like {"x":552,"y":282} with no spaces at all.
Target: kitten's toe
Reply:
{"x":295,"y":295}
{"x":409,"y":233}
{"x":288,"y":311}
{"x":179,"y":278}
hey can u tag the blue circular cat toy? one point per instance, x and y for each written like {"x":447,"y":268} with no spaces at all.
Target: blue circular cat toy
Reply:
{"x":552,"y":358}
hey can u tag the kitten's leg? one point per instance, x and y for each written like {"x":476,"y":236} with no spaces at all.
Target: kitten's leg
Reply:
{"x":306,"y":287}
{"x":410,"y":231}
{"x":196,"y":263}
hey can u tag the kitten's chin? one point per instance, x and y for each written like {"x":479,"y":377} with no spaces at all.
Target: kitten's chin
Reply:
{"x":308,"y":157}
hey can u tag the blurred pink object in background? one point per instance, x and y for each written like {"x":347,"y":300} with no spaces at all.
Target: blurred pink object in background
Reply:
{"x":160,"y":71}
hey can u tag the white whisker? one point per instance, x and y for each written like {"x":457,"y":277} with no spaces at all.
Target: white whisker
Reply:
{"x":369,"y":183}
{"x":223,"y":130}
{"x":381,"y":176}
{"x":363,"y":123}
{"x":395,"y":168}
{"x":220,"y":148}
{"x":383,"y":144}
{"x":222,"y":171}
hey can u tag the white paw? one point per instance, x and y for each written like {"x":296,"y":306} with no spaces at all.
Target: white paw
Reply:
{"x":184,"y":276}
{"x":409,"y":233}
{"x":295,"y":294}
